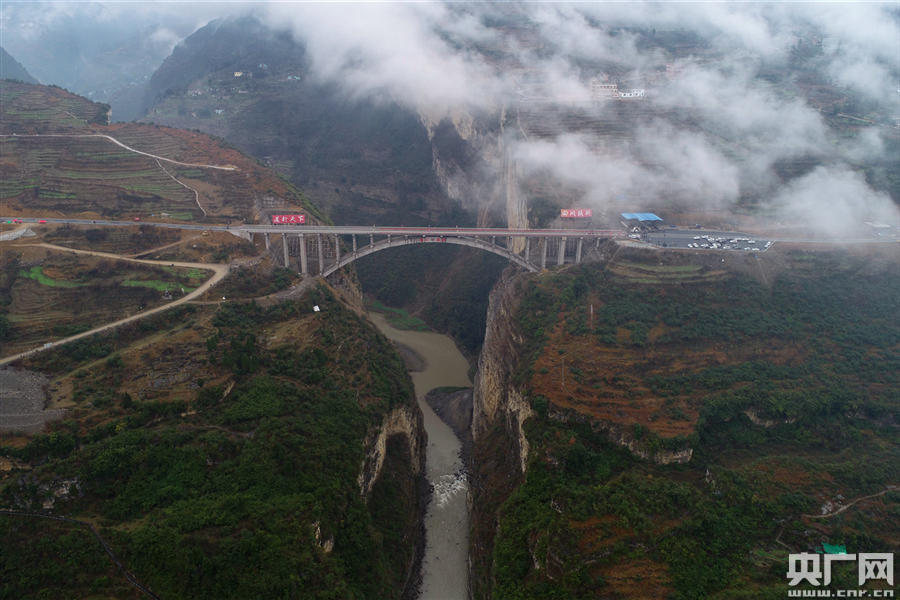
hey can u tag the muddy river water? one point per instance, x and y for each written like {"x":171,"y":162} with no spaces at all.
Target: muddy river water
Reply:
{"x":444,"y":569}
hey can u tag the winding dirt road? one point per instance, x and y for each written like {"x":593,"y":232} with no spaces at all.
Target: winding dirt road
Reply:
{"x":118,"y":143}
{"x":889,"y":488}
{"x":219,"y":272}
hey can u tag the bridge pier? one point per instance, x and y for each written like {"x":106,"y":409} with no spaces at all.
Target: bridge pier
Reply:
{"x":561,"y":257}
{"x":578,"y":251}
{"x":528,"y":248}
{"x":284,"y":248}
{"x":304,"y":265}
{"x":354,"y":243}
{"x":268,"y":242}
{"x":544,"y":253}
{"x":321,"y":254}
{"x":337,"y":249}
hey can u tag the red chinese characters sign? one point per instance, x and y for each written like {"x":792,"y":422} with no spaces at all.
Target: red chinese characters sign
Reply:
{"x":288,"y":219}
{"x":576,"y":213}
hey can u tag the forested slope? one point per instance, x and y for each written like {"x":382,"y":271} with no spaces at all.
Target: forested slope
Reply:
{"x":690,"y":426}
{"x":220,"y":452}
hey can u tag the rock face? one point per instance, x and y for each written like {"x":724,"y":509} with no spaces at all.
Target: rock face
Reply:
{"x":395,"y":457}
{"x":454,"y":409}
{"x":500,"y":450}
{"x":406,"y":422}
{"x":499,"y":357}
{"x":622,"y":437}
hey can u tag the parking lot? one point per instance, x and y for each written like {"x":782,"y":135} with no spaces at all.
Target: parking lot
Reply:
{"x":702,"y":239}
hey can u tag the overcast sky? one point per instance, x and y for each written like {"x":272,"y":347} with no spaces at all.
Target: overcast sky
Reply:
{"x":450,"y":58}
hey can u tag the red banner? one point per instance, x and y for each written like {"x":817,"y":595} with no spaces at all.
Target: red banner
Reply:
{"x":576,"y":213}
{"x":288,"y":219}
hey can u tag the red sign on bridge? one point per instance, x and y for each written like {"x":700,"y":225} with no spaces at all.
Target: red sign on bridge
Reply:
{"x":576,"y":213}
{"x":288,"y":219}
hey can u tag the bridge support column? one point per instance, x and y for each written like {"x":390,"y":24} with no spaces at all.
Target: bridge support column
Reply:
{"x":268,"y":243}
{"x":561,"y":257}
{"x":544,"y":253}
{"x":389,"y":239}
{"x":284,"y":247}
{"x":304,"y":265}
{"x":371,"y":240}
{"x":493,"y":240}
{"x":578,"y":251}
{"x":527,"y":248}
{"x":321,"y":254}
{"x":354,"y":243}
{"x":337,"y":249}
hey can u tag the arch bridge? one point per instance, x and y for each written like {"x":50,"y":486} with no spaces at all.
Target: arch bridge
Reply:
{"x":322,"y":250}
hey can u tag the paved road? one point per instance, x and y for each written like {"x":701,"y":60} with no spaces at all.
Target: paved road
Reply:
{"x":219,"y":272}
{"x":674,"y":238}
{"x":703,"y":239}
{"x":336,"y":229}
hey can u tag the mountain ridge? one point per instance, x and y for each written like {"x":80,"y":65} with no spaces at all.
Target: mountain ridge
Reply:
{"x":10,"y":68}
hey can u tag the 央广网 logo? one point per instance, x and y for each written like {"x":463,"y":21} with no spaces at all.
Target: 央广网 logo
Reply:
{"x":815,"y":569}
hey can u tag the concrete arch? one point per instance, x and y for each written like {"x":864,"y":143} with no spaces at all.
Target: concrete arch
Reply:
{"x":471,"y":242}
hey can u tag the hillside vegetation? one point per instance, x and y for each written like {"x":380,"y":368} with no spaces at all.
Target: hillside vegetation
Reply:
{"x":787,"y":394}
{"x":218,"y":454}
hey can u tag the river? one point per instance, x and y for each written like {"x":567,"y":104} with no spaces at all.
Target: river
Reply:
{"x":444,"y":566}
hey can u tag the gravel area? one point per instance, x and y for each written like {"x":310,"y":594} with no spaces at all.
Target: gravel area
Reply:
{"x":22,"y":399}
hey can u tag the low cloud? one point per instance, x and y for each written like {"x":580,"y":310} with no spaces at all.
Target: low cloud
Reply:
{"x":833,"y":201}
{"x":715,"y":131}
{"x":722,"y":115}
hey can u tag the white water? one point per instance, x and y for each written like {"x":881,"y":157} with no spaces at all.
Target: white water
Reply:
{"x":444,"y":566}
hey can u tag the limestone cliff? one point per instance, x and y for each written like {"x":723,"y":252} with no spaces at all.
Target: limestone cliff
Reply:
{"x":403,"y":421}
{"x":467,"y":154}
{"x":394,"y":467}
{"x":500,"y":448}
{"x":495,"y":400}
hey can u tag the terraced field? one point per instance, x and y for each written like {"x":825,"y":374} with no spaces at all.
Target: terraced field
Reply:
{"x":48,"y":295}
{"x":644,"y":273}
{"x":58,"y":157}
{"x":33,"y":109}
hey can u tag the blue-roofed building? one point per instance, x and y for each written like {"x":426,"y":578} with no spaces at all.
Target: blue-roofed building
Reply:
{"x":641,"y":217}
{"x":641,"y":221}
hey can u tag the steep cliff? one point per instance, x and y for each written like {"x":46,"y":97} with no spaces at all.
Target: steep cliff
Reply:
{"x":495,"y":400}
{"x":404,"y":422}
{"x":500,"y":447}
